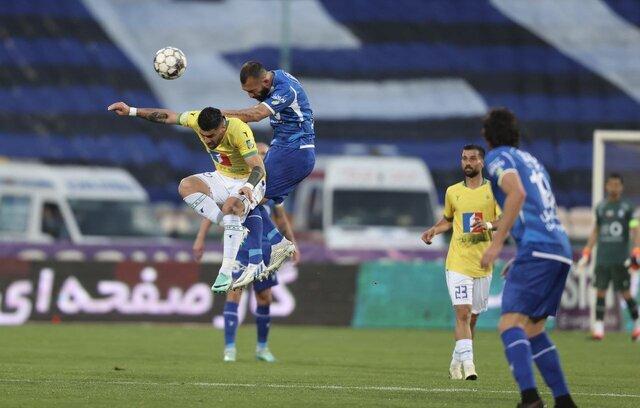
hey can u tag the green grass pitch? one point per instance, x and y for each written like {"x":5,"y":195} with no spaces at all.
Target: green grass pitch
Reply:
{"x":135,"y":365}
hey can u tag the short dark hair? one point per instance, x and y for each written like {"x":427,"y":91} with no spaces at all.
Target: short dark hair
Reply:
{"x":209,"y":118}
{"x":501,"y":128}
{"x":479,"y":148}
{"x":615,"y":176}
{"x":252,"y":69}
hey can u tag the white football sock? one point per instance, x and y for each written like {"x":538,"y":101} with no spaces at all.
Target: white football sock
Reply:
{"x":455,"y":358}
{"x":598,"y":327}
{"x":233,"y":236}
{"x":204,"y":206}
{"x":464,"y":348}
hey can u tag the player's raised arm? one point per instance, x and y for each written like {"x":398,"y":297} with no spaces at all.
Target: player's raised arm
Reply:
{"x":515,"y":195}
{"x":156,"y":115}
{"x":253,"y":114}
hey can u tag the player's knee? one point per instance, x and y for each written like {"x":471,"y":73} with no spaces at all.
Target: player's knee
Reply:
{"x":463,"y":315}
{"x":264,"y":297}
{"x":233,"y":206}
{"x":187,"y":186}
{"x":510,"y":320}
{"x":234,"y":295}
{"x":535,"y":327}
{"x":474,"y":318}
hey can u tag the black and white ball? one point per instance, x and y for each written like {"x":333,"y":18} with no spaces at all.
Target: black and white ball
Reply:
{"x":170,"y":62}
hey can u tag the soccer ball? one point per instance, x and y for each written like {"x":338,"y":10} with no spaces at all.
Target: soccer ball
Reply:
{"x":170,"y":62}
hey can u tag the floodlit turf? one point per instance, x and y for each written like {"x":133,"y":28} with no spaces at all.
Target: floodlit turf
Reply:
{"x":160,"y":365}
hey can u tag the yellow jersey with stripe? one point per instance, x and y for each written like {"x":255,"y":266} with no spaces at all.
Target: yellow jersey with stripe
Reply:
{"x":464,"y":206}
{"x":236,"y":145}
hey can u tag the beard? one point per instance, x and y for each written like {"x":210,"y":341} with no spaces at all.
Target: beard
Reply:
{"x":471,"y":173}
{"x":263,"y":95}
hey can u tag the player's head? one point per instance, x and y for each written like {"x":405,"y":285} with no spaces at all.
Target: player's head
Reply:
{"x":614,"y":185}
{"x":472,"y":160}
{"x":500,"y":128}
{"x":263,"y":148}
{"x":212,"y":125}
{"x":254,"y":80}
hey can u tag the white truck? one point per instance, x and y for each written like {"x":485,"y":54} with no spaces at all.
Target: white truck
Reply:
{"x":381,"y":203}
{"x":85,"y":205}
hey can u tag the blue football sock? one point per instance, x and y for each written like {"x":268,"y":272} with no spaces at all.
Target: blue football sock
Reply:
{"x":272,"y":232}
{"x":547,"y":359}
{"x":518,"y":352}
{"x":262,"y":324}
{"x":254,"y":240}
{"x":230,"y":323}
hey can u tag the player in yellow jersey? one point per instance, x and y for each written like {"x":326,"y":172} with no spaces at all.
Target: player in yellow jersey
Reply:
{"x":469,"y":207}
{"x":227,"y":195}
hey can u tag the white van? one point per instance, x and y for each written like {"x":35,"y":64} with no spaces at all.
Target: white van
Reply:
{"x":44,"y":203}
{"x":368,"y":202}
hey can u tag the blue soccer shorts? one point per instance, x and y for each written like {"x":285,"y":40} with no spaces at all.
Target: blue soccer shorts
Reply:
{"x":286,"y":167}
{"x":535,"y":284}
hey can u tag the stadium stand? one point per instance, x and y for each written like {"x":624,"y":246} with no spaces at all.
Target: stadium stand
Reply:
{"x":61,"y":70}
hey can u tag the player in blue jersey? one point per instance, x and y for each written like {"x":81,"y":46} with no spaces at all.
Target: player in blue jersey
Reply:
{"x":536,"y":279}
{"x":250,"y":252}
{"x":292,"y":154}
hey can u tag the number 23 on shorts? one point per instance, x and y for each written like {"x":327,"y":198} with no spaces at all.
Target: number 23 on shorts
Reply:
{"x":460,"y":292}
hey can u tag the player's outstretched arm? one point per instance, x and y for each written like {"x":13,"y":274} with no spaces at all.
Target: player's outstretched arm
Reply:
{"x":253,"y":114}
{"x":442,"y":226}
{"x":156,"y":115}
{"x":514,"y":200}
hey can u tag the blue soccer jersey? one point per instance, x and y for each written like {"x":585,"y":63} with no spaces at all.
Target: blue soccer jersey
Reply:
{"x":538,"y":223}
{"x":291,"y":114}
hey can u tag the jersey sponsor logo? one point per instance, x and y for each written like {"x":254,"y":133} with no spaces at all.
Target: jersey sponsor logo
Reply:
{"x":277,"y":99}
{"x":250,"y":144}
{"x":468,"y":219}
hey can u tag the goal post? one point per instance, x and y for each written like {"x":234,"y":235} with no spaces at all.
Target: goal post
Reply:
{"x":615,"y":151}
{"x":600,"y":138}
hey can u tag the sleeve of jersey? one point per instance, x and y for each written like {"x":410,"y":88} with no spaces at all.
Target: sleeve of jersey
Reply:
{"x":280,"y":98}
{"x":500,"y":164}
{"x":448,"y":208}
{"x":244,"y":141}
{"x":189,"y":119}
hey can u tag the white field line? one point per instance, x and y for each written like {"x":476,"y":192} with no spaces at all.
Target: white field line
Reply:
{"x":300,"y":386}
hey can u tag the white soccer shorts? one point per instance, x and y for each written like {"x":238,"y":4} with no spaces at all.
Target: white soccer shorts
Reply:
{"x":465,"y":290}
{"x":222,"y":187}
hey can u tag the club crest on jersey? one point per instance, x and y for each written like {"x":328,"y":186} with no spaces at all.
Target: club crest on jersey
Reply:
{"x":468,"y":219}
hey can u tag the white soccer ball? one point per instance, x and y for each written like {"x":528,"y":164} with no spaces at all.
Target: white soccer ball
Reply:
{"x":170,"y":62}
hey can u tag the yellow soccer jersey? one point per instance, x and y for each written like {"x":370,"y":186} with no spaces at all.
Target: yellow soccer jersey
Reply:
{"x":237,"y":144}
{"x":464,"y":206}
